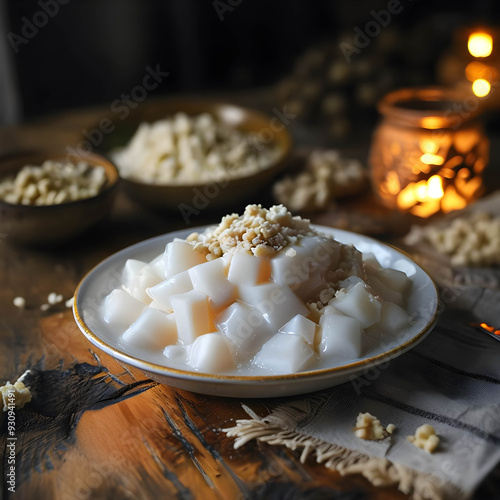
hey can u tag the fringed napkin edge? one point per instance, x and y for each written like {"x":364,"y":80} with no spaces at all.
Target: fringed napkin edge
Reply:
{"x":280,"y":427}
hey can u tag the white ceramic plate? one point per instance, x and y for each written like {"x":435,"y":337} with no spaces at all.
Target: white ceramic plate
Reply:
{"x":422,"y":305}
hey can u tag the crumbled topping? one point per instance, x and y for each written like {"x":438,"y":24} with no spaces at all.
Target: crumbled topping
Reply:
{"x":54,"y":298}
{"x":15,"y":395}
{"x":425,"y":437}
{"x":468,"y":241}
{"x":53,"y":183}
{"x":369,"y":427}
{"x":327,"y":176}
{"x":350,"y":264}
{"x":19,"y":302}
{"x":259,"y":231}
{"x":184,"y":149}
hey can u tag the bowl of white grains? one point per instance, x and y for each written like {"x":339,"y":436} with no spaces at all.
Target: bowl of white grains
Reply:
{"x":47,"y":198}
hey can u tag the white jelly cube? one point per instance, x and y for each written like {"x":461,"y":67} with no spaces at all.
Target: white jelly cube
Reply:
{"x":396,"y":280}
{"x":245,"y":328}
{"x":359,"y":303}
{"x":277,"y":303}
{"x":145,"y":278}
{"x":158,"y":265}
{"x":131,"y":270}
{"x":193,"y":315}
{"x":210,"y":278}
{"x":121,"y":309}
{"x":248,"y":269}
{"x":177,"y":353}
{"x":180,"y":256}
{"x":300,"y":325}
{"x":210,"y":353}
{"x":340,"y":337}
{"x":284,"y":354}
{"x":393,"y":319}
{"x":176,"y":285}
{"x":383,"y":290}
{"x":153,"y":329}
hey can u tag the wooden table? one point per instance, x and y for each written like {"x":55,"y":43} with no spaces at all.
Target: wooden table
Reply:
{"x":96,"y":428}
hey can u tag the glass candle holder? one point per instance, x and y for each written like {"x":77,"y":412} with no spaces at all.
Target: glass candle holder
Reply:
{"x":429,"y":151}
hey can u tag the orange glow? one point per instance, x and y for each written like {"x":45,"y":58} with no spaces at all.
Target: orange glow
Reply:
{"x":392,"y":183}
{"x":429,"y":146}
{"x":452,"y":200}
{"x":431,"y":159}
{"x":422,"y":198}
{"x":432,"y":122}
{"x":475,"y":70}
{"x":480,"y":44}
{"x":489,"y":328}
{"x":481,"y":87}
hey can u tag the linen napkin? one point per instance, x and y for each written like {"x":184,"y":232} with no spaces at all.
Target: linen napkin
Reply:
{"x":451,"y":381}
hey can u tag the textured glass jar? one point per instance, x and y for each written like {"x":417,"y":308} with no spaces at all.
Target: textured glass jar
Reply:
{"x":429,"y":151}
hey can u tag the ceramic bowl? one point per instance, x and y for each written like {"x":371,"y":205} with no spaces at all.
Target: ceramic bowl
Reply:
{"x":422,"y":305}
{"x":52,"y":224}
{"x":213,"y":195}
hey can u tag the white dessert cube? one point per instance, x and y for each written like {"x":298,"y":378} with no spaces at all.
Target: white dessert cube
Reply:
{"x":248,"y":269}
{"x":210,"y":353}
{"x":358,"y":303}
{"x":145,"y":278}
{"x":176,"y":285}
{"x":284,"y":354}
{"x":180,"y":256}
{"x":383,"y":290}
{"x":193,"y":315}
{"x":277,"y":303}
{"x":394,"y":279}
{"x":340,"y":337}
{"x":393,"y":319}
{"x":158,"y":265}
{"x":210,"y":278}
{"x":121,"y":309}
{"x":245,"y":329}
{"x":300,"y":325}
{"x":130,"y":271}
{"x":153,"y":330}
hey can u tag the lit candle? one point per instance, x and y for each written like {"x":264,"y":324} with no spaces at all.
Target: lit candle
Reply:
{"x":427,"y":154}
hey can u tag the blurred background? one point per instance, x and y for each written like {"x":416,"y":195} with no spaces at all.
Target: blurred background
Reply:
{"x":59,"y":54}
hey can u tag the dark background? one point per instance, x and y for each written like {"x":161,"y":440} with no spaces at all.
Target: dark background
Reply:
{"x":93,"y":50}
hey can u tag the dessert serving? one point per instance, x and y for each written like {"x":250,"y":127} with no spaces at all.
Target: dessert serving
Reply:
{"x":263,"y":293}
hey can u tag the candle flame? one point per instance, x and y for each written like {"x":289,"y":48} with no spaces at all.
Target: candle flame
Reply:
{"x":480,"y":44}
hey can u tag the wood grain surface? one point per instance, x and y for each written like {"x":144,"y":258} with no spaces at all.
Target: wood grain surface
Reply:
{"x":98,"y":429}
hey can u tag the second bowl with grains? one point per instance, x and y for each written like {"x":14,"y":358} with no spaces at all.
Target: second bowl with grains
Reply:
{"x":47,"y":198}
{"x":189,"y":155}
